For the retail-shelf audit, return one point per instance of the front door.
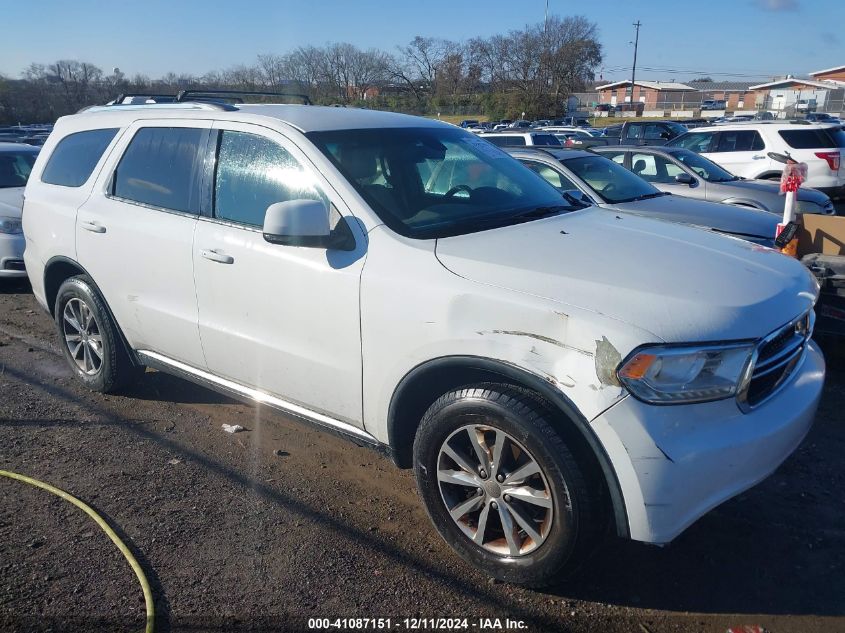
(281, 319)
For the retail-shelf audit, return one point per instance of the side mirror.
(305, 223)
(685, 179)
(577, 197)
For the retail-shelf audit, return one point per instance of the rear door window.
(75, 156)
(162, 167)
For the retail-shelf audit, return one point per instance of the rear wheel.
(89, 338)
(502, 487)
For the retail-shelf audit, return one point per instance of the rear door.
(741, 152)
(135, 233)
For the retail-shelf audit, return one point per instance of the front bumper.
(11, 255)
(676, 463)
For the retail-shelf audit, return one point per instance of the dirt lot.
(234, 537)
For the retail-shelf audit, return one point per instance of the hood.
(11, 201)
(681, 284)
(724, 218)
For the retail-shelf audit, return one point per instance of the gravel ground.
(263, 529)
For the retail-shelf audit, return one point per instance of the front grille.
(13, 264)
(776, 357)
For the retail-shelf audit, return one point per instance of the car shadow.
(15, 286)
(161, 387)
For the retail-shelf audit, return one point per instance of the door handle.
(757, 157)
(216, 256)
(94, 227)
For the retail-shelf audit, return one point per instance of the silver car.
(683, 172)
(593, 179)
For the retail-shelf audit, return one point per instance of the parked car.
(16, 161)
(545, 370)
(469, 123)
(645, 132)
(822, 117)
(743, 149)
(521, 124)
(713, 104)
(681, 171)
(594, 179)
(577, 138)
(805, 105)
(518, 138)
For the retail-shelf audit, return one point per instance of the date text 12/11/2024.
(417, 624)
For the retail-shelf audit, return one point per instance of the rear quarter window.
(546, 139)
(75, 156)
(813, 139)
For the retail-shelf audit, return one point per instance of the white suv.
(545, 370)
(743, 149)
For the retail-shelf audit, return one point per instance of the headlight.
(663, 374)
(10, 225)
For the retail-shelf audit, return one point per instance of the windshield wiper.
(646, 196)
(540, 212)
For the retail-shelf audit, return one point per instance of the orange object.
(637, 366)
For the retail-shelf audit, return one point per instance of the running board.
(229, 387)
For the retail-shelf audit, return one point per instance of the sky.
(730, 40)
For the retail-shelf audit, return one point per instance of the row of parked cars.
(35, 134)
(556, 347)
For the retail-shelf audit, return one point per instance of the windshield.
(611, 182)
(15, 168)
(707, 169)
(435, 182)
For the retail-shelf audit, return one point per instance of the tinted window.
(740, 141)
(75, 157)
(161, 167)
(15, 167)
(546, 139)
(506, 141)
(433, 182)
(252, 173)
(812, 139)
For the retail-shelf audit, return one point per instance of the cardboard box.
(821, 234)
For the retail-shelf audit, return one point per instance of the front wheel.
(502, 487)
(89, 338)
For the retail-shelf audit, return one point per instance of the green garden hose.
(145, 586)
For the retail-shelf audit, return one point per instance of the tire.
(89, 338)
(563, 534)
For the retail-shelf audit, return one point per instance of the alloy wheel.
(82, 336)
(494, 490)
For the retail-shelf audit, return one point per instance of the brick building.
(655, 95)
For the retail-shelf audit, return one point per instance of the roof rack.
(234, 95)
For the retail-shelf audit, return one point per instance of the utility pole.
(546, 19)
(637, 25)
